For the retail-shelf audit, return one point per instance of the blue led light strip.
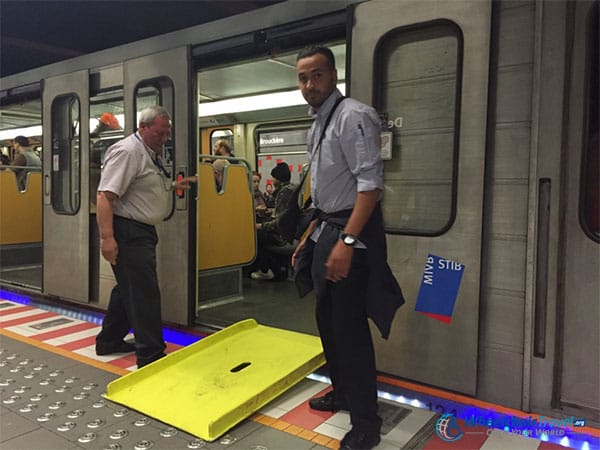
(171, 335)
(566, 437)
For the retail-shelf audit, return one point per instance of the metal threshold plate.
(208, 387)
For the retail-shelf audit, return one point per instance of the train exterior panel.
(492, 165)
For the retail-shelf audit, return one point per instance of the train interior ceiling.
(475, 171)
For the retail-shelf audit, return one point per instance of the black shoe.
(360, 440)
(327, 403)
(144, 362)
(103, 348)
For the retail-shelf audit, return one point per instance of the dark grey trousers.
(347, 343)
(135, 300)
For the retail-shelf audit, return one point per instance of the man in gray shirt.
(133, 195)
(25, 156)
(344, 257)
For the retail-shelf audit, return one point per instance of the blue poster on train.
(439, 288)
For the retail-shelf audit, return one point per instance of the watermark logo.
(447, 428)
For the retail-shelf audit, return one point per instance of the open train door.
(163, 79)
(65, 188)
(424, 66)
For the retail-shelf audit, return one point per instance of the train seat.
(20, 220)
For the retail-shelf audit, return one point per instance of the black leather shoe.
(327, 403)
(360, 440)
(145, 361)
(118, 347)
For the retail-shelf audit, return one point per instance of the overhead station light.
(255, 103)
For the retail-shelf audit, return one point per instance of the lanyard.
(157, 160)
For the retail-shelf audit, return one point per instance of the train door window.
(419, 77)
(65, 150)
(222, 135)
(158, 91)
(276, 144)
(106, 123)
(590, 187)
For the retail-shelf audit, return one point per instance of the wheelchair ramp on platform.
(208, 387)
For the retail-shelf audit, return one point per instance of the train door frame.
(285, 37)
(561, 372)
(66, 227)
(453, 349)
(175, 260)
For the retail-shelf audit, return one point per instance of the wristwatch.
(348, 239)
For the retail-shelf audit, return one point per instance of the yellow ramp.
(208, 387)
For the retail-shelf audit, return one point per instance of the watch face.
(349, 240)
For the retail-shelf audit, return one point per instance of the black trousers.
(347, 343)
(135, 300)
(265, 259)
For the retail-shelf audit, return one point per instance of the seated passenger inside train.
(25, 157)
(270, 264)
(219, 170)
(260, 205)
(222, 148)
(268, 195)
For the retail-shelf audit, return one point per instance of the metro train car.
(490, 119)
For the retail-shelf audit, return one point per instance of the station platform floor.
(51, 386)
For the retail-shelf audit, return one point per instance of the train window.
(20, 119)
(589, 212)
(106, 125)
(65, 150)
(145, 97)
(158, 91)
(275, 144)
(418, 81)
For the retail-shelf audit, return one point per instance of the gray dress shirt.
(349, 159)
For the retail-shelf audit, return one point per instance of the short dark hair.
(222, 143)
(22, 140)
(312, 50)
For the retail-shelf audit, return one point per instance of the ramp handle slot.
(240, 367)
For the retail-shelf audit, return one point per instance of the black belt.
(137, 222)
(343, 214)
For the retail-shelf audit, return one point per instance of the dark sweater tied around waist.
(384, 295)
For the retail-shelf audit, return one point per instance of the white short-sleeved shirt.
(142, 189)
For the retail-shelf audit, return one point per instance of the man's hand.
(110, 249)
(104, 216)
(184, 183)
(338, 262)
(299, 248)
